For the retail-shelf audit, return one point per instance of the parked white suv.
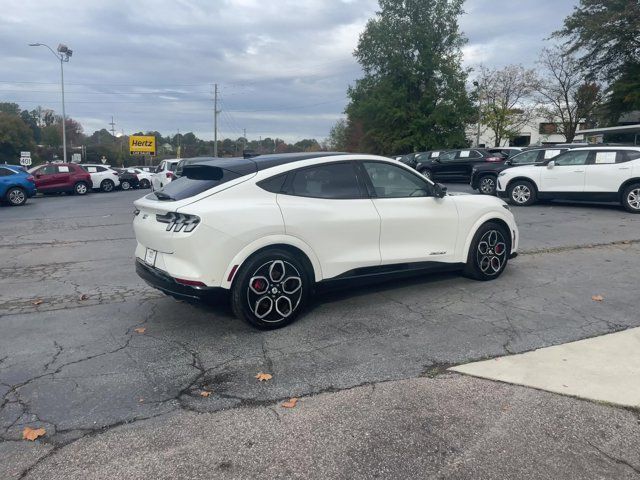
(103, 177)
(144, 176)
(605, 174)
(273, 228)
(164, 173)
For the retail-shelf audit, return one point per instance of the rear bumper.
(161, 280)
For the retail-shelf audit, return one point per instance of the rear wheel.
(125, 185)
(16, 196)
(488, 253)
(271, 289)
(80, 188)
(631, 198)
(487, 185)
(107, 186)
(145, 183)
(522, 192)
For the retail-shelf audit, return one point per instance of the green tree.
(10, 108)
(338, 136)
(412, 96)
(15, 136)
(605, 35)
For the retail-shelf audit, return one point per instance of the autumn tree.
(567, 97)
(412, 95)
(605, 36)
(506, 100)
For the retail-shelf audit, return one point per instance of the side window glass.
(447, 156)
(48, 170)
(63, 169)
(101, 169)
(336, 181)
(572, 158)
(551, 153)
(5, 172)
(603, 158)
(525, 158)
(465, 154)
(390, 181)
(91, 169)
(273, 184)
(627, 155)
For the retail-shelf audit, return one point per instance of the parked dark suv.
(484, 176)
(62, 177)
(453, 165)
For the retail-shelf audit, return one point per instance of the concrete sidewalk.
(604, 369)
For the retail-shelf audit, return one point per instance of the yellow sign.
(139, 145)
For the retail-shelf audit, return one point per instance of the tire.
(427, 173)
(488, 253)
(125, 185)
(16, 196)
(107, 186)
(487, 184)
(145, 183)
(80, 188)
(631, 198)
(264, 293)
(521, 193)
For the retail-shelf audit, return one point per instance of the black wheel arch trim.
(525, 179)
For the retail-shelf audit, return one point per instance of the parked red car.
(62, 177)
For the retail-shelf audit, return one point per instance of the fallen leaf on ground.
(140, 330)
(597, 298)
(263, 377)
(291, 403)
(205, 393)
(37, 302)
(84, 296)
(141, 400)
(32, 433)
(626, 242)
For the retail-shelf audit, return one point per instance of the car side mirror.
(551, 164)
(439, 190)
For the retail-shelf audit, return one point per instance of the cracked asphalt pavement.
(368, 363)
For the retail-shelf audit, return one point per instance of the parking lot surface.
(87, 347)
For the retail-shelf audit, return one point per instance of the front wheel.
(522, 193)
(487, 185)
(125, 185)
(488, 253)
(631, 198)
(80, 188)
(145, 183)
(107, 186)
(16, 196)
(271, 289)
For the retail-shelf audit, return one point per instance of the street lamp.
(477, 85)
(64, 53)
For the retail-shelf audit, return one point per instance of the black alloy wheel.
(270, 289)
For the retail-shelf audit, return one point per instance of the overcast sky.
(282, 66)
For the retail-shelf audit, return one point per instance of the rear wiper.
(163, 196)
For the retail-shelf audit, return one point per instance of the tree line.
(40, 132)
(415, 94)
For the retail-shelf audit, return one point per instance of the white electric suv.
(271, 229)
(163, 174)
(604, 173)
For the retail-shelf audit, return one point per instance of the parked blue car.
(16, 185)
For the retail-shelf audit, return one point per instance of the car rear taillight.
(31, 179)
(494, 159)
(170, 175)
(190, 283)
(115, 173)
(177, 221)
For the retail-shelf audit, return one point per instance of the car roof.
(245, 166)
(608, 147)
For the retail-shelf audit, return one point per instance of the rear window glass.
(184, 187)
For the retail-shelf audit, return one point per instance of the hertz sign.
(141, 145)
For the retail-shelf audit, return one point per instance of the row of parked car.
(18, 184)
(607, 173)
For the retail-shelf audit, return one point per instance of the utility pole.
(215, 120)
(244, 141)
(479, 87)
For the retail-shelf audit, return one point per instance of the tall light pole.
(477, 85)
(63, 54)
